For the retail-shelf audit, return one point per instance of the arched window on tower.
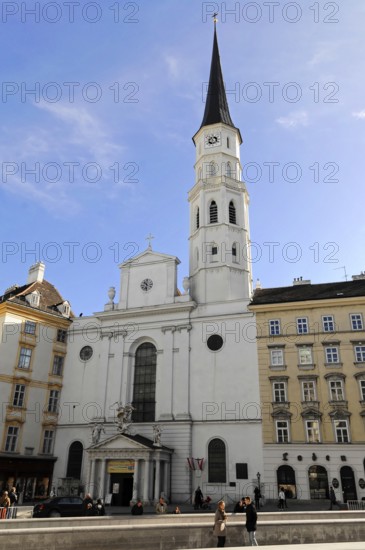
(213, 212)
(217, 461)
(229, 170)
(234, 253)
(144, 388)
(74, 461)
(232, 213)
(197, 218)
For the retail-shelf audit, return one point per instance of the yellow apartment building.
(34, 319)
(311, 349)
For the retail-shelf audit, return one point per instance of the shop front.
(32, 476)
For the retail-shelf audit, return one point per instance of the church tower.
(220, 266)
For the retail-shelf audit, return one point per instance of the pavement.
(293, 505)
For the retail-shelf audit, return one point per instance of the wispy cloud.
(85, 131)
(359, 114)
(294, 119)
(325, 53)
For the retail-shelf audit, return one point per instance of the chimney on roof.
(300, 281)
(358, 277)
(36, 273)
(258, 285)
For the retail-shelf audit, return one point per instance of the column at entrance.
(136, 491)
(166, 479)
(156, 492)
(146, 480)
(91, 482)
(102, 478)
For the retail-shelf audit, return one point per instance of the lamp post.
(258, 475)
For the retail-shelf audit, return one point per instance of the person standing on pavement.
(281, 498)
(13, 502)
(4, 505)
(257, 497)
(220, 529)
(198, 499)
(251, 521)
(87, 504)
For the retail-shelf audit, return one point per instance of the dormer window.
(33, 298)
(64, 309)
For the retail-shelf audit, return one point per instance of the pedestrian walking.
(220, 519)
(251, 521)
(333, 499)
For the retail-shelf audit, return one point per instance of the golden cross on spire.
(214, 16)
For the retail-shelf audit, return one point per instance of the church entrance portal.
(121, 487)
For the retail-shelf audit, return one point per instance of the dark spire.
(216, 106)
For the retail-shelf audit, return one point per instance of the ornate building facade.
(311, 347)
(34, 320)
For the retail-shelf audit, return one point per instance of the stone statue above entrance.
(124, 417)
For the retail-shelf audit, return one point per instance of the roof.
(216, 106)
(49, 298)
(306, 292)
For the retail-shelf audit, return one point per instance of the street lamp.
(258, 475)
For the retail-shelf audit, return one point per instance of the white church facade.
(161, 389)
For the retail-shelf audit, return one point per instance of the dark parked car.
(59, 507)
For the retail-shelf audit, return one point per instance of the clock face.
(146, 285)
(213, 139)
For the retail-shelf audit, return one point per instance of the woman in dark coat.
(220, 519)
(251, 520)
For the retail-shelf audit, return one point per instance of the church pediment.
(120, 441)
(149, 257)
(126, 442)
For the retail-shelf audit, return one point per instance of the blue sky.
(107, 133)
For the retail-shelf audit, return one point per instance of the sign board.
(121, 467)
(108, 498)
(115, 488)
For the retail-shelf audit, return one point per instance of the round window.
(215, 342)
(86, 353)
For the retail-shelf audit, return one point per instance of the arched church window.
(227, 142)
(217, 461)
(197, 220)
(234, 251)
(144, 388)
(232, 213)
(213, 212)
(229, 170)
(74, 461)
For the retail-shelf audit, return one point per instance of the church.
(161, 389)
